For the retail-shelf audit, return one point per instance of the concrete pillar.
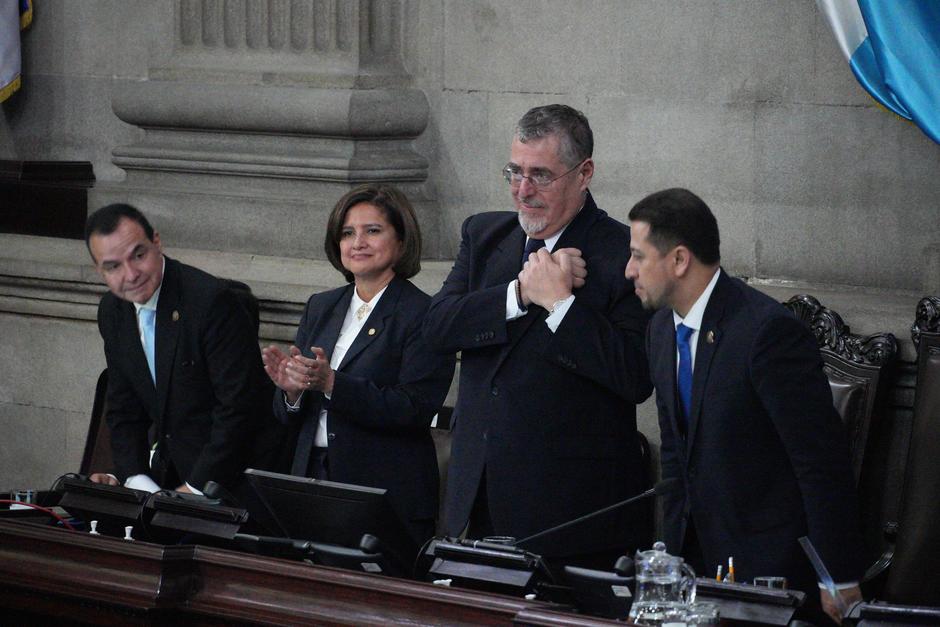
(258, 114)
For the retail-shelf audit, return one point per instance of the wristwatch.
(556, 305)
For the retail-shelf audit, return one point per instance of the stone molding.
(53, 278)
(340, 135)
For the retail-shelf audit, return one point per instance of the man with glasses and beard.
(552, 357)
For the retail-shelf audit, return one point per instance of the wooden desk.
(49, 573)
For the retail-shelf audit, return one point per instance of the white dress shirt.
(513, 310)
(693, 319)
(347, 335)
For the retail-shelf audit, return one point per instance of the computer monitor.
(335, 516)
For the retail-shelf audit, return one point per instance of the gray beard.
(531, 226)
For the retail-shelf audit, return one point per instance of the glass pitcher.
(664, 584)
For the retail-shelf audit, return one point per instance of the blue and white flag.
(15, 15)
(893, 47)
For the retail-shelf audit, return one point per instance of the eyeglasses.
(540, 180)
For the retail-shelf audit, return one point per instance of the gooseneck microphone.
(666, 486)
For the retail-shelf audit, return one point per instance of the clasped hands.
(294, 373)
(547, 278)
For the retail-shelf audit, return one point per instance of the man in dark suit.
(187, 391)
(745, 410)
(552, 360)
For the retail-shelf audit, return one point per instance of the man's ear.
(586, 173)
(681, 260)
(156, 241)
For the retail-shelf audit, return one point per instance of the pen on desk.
(718, 573)
(823, 574)
(731, 569)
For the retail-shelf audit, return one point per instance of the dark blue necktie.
(531, 246)
(683, 333)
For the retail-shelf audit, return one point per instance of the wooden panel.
(47, 573)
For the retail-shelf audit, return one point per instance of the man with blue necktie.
(745, 412)
(187, 393)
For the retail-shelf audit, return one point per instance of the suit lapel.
(170, 311)
(330, 324)
(668, 338)
(709, 338)
(374, 326)
(506, 261)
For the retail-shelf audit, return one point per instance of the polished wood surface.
(47, 572)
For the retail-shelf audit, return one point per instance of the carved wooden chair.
(915, 569)
(854, 365)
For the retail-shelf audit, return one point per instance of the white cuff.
(296, 406)
(513, 310)
(554, 319)
(142, 482)
(192, 489)
(842, 586)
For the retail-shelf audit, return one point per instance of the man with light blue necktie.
(187, 394)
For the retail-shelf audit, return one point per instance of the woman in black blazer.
(359, 382)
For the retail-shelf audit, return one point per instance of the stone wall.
(235, 124)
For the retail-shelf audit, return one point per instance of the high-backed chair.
(914, 577)
(97, 455)
(854, 365)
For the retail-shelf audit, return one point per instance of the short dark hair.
(105, 221)
(678, 217)
(399, 213)
(570, 125)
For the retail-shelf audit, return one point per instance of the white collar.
(152, 301)
(693, 319)
(357, 302)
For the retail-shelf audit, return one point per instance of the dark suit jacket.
(385, 393)
(211, 393)
(551, 417)
(765, 460)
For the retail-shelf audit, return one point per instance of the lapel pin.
(710, 337)
(176, 316)
(371, 331)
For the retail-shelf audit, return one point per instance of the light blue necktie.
(683, 333)
(147, 319)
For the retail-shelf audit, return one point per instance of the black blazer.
(551, 417)
(385, 393)
(765, 460)
(211, 394)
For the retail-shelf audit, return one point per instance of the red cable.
(42, 509)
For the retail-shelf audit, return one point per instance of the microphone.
(666, 486)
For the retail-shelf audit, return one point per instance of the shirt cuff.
(193, 490)
(141, 482)
(554, 319)
(296, 406)
(513, 310)
(842, 586)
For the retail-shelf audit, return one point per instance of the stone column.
(258, 114)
